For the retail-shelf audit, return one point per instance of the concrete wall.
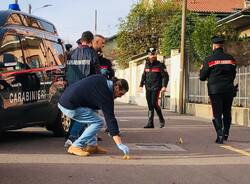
(174, 80)
(133, 76)
(240, 116)
(124, 74)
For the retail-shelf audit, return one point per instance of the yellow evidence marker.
(180, 141)
(126, 157)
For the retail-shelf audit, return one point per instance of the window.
(11, 57)
(17, 19)
(47, 26)
(34, 52)
(32, 22)
(55, 52)
(40, 24)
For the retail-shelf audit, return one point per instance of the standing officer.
(155, 78)
(220, 70)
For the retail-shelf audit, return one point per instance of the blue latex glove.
(124, 148)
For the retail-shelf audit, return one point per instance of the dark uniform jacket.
(82, 62)
(220, 70)
(155, 75)
(92, 92)
(106, 67)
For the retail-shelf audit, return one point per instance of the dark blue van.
(32, 66)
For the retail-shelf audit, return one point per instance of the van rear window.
(47, 26)
(19, 19)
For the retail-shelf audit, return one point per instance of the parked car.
(32, 63)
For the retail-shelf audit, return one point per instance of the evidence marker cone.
(180, 141)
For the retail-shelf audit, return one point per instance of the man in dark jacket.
(104, 63)
(219, 69)
(80, 102)
(83, 60)
(155, 78)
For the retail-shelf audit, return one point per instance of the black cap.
(217, 40)
(78, 41)
(151, 50)
(68, 46)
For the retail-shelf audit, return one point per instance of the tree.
(199, 31)
(205, 29)
(172, 32)
(143, 28)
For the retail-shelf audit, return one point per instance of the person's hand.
(124, 148)
(201, 67)
(163, 89)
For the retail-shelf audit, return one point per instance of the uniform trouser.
(152, 97)
(221, 105)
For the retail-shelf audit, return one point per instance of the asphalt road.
(158, 156)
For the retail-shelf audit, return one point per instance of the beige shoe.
(78, 151)
(95, 149)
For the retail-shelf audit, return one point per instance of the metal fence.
(197, 90)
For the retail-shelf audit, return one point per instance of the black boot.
(150, 123)
(161, 119)
(219, 140)
(226, 130)
(225, 134)
(225, 137)
(218, 127)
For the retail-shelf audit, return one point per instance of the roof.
(215, 6)
(237, 19)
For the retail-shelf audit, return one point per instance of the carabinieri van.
(31, 72)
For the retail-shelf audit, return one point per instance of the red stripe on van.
(31, 70)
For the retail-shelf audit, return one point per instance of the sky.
(72, 17)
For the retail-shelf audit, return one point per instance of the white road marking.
(117, 160)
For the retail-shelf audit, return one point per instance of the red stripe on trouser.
(157, 98)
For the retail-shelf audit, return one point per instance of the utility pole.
(30, 8)
(95, 22)
(182, 62)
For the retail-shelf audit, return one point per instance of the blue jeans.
(86, 116)
(76, 129)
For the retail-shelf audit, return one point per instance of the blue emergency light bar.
(14, 7)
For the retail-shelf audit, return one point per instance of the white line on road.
(117, 160)
(242, 152)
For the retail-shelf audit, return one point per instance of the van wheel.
(61, 126)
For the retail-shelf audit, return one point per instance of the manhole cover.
(155, 147)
